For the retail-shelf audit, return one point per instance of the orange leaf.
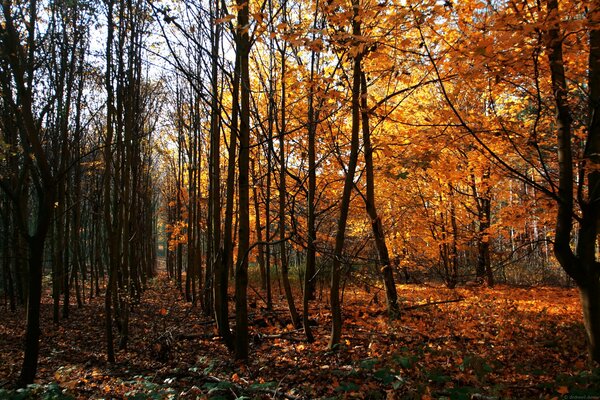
(563, 390)
(226, 18)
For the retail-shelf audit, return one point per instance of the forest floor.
(491, 343)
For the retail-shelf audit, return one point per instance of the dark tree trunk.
(283, 191)
(241, 271)
(228, 233)
(336, 307)
(378, 233)
(34, 296)
(484, 263)
(311, 252)
(581, 264)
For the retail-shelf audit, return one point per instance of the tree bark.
(581, 265)
(336, 307)
(378, 233)
(34, 296)
(241, 271)
(283, 190)
(311, 251)
(590, 304)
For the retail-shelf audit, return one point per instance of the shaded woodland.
(299, 199)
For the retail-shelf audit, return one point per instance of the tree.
(376, 224)
(571, 184)
(241, 271)
(282, 186)
(340, 237)
(581, 263)
(21, 54)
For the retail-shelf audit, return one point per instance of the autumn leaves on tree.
(305, 145)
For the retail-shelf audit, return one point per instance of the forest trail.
(502, 342)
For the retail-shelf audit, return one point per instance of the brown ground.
(501, 343)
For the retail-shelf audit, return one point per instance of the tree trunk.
(108, 217)
(34, 296)
(582, 265)
(7, 254)
(259, 237)
(241, 271)
(108, 300)
(484, 264)
(336, 307)
(589, 238)
(384, 257)
(590, 304)
(283, 191)
(220, 253)
(311, 252)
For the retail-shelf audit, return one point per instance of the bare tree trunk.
(18, 64)
(384, 257)
(34, 296)
(108, 160)
(221, 257)
(581, 265)
(311, 253)
(336, 307)
(241, 271)
(283, 189)
(258, 228)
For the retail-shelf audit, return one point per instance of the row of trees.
(359, 134)
(78, 199)
(450, 108)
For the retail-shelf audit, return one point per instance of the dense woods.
(295, 158)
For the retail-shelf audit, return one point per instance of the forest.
(300, 199)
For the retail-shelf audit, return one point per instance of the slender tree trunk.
(269, 283)
(454, 244)
(66, 263)
(241, 271)
(311, 253)
(108, 310)
(336, 307)
(57, 237)
(7, 255)
(32, 334)
(108, 217)
(378, 233)
(222, 254)
(269, 155)
(258, 229)
(283, 191)
(484, 264)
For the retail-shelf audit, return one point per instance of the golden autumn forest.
(300, 199)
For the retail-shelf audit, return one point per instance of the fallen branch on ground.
(432, 303)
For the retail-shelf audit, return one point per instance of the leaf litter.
(493, 343)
